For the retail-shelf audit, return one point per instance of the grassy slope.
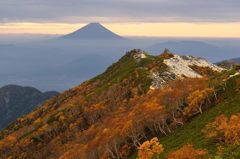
(191, 133)
(125, 68)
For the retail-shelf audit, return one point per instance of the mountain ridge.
(93, 118)
(229, 63)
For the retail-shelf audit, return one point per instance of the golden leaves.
(197, 100)
(11, 139)
(149, 149)
(152, 149)
(225, 131)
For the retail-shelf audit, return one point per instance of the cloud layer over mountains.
(120, 10)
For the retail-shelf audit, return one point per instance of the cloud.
(81, 11)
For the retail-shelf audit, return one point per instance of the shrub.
(188, 152)
(150, 149)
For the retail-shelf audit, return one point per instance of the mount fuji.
(93, 31)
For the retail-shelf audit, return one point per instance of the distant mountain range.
(93, 31)
(62, 62)
(229, 63)
(196, 48)
(237, 60)
(16, 101)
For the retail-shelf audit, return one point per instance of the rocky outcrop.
(180, 67)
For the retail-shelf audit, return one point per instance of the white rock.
(143, 56)
(180, 65)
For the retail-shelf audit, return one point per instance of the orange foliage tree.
(197, 100)
(150, 149)
(224, 129)
(188, 152)
(1, 144)
(11, 139)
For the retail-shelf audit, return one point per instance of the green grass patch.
(191, 133)
(123, 69)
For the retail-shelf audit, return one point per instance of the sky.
(190, 18)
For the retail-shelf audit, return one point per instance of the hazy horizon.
(185, 29)
(33, 52)
(128, 18)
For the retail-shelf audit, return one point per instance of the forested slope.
(137, 98)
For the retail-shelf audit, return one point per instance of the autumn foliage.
(150, 149)
(108, 116)
(100, 127)
(188, 152)
(197, 100)
(226, 131)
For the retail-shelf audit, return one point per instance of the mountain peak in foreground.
(138, 97)
(93, 31)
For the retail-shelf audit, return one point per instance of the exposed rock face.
(139, 55)
(176, 67)
(16, 101)
(159, 80)
(180, 67)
